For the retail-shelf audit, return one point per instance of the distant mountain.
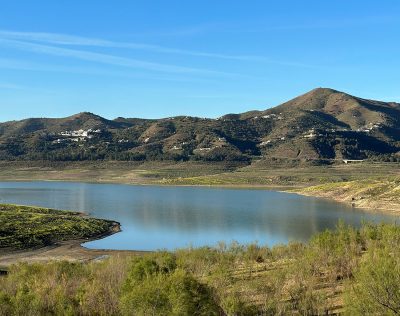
(321, 124)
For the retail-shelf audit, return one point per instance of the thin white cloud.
(53, 38)
(71, 40)
(106, 58)
(16, 64)
(64, 39)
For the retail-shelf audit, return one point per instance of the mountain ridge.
(321, 124)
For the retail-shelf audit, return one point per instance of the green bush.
(376, 288)
(335, 251)
(155, 286)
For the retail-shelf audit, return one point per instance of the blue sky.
(205, 58)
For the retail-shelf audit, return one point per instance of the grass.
(24, 227)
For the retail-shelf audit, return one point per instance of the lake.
(160, 217)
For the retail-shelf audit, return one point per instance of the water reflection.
(169, 217)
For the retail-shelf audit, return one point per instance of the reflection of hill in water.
(232, 212)
(175, 216)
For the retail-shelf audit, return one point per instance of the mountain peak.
(316, 99)
(321, 93)
(86, 115)
(321, 90)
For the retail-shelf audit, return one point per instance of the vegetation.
(27, 227)
(275, 172)
(355, 272)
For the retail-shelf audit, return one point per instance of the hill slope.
(321, 124)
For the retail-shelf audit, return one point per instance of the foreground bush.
(63, 288)
(156, 287)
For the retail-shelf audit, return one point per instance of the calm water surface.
(154, 217)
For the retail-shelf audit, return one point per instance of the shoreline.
(370, 209)
(69, 250)
(274, 187)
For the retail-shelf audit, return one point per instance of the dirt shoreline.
(274, 187)
(70, 250)
(376, 206)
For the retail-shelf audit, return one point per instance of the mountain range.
(323, 124)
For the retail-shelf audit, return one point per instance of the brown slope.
(342, 107)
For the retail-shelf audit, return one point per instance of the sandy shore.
(64, 251)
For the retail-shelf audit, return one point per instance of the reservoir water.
(158, 217)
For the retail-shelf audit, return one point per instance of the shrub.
(233, 305)
(155, 286)
(334, 252)
(376, 290)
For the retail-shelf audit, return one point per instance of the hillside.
(369, 193)
(321, 124)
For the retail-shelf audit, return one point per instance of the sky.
(154, 59)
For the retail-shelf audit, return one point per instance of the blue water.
(155, 217)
